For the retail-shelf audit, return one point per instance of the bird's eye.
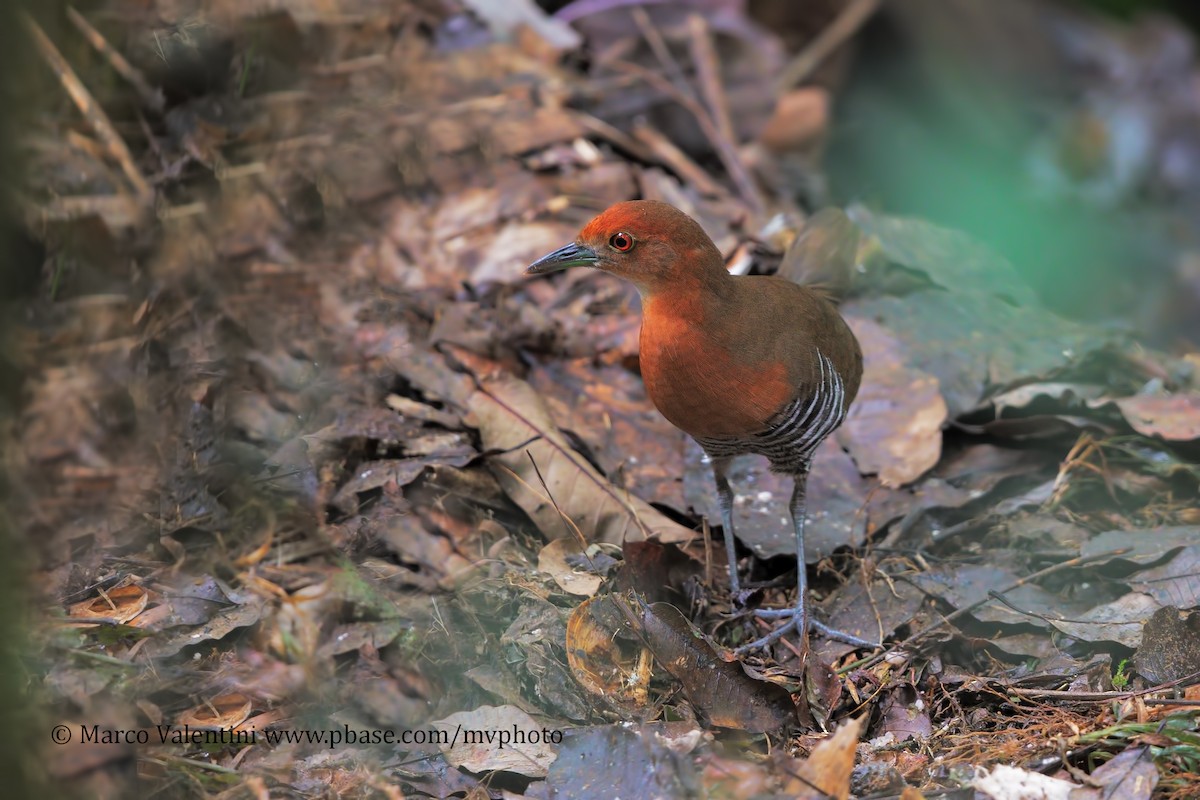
(621, 242)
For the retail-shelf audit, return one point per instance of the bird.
(742, 364)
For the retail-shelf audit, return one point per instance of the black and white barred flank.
(790, 440)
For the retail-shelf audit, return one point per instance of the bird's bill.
(572, 255)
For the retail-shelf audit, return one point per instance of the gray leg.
(725, 501)
(797, 618)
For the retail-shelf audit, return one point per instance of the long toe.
(841, 636)
(790, 616)
(773, 636)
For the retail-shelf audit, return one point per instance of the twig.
(91, 111)
(871, 661)
(572, 528)
(661, 52)
(151, 98)
(725, 151)
(708, 75)
(615, 136)
(1104, 697)
(842, 28)
(667, 153)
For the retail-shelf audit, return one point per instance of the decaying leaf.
(601, 656)
(827, 770)
(1119, 621)
(723, 693)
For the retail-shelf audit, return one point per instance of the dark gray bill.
(572, 255)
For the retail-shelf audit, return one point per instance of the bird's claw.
(793, 616)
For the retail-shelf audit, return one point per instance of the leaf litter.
(322, 459)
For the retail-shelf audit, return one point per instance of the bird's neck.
(693, 298)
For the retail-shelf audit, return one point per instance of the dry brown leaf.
(552, 560)
(598, 659)
(121, 604)
(514, 422)
(512, 741)
(226, 711)
(1174, 417)
(829, 766)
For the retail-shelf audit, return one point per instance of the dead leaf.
(120, 605)
(1130, 775)
(571, 578)
(603, 661)
(721, 692)
(894, 428)
(1119, 621)
(1170, 647)
(1174, 417)
(223, 712)
(497, 738)
(515, 424)
(625, 760)
(829, 767)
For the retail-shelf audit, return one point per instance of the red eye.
(621, 242)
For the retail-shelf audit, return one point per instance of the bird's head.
(651, 244)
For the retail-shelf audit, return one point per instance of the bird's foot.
(794, 618)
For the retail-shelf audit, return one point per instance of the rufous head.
(647, 242)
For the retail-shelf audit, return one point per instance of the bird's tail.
(825, 254)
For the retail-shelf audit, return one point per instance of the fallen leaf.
(1119, 621)
(225, 711)
(894, 427)
(120, 604)
(721, 692)
(552, 560)
(1170, 647)
(827, 771)
(497, 739)
(1174, 417)
(516, 425)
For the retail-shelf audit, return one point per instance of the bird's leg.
(797, 617)
(725, 501)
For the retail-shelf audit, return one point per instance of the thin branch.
(151, 98)
(842, 28)
(91, 111)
